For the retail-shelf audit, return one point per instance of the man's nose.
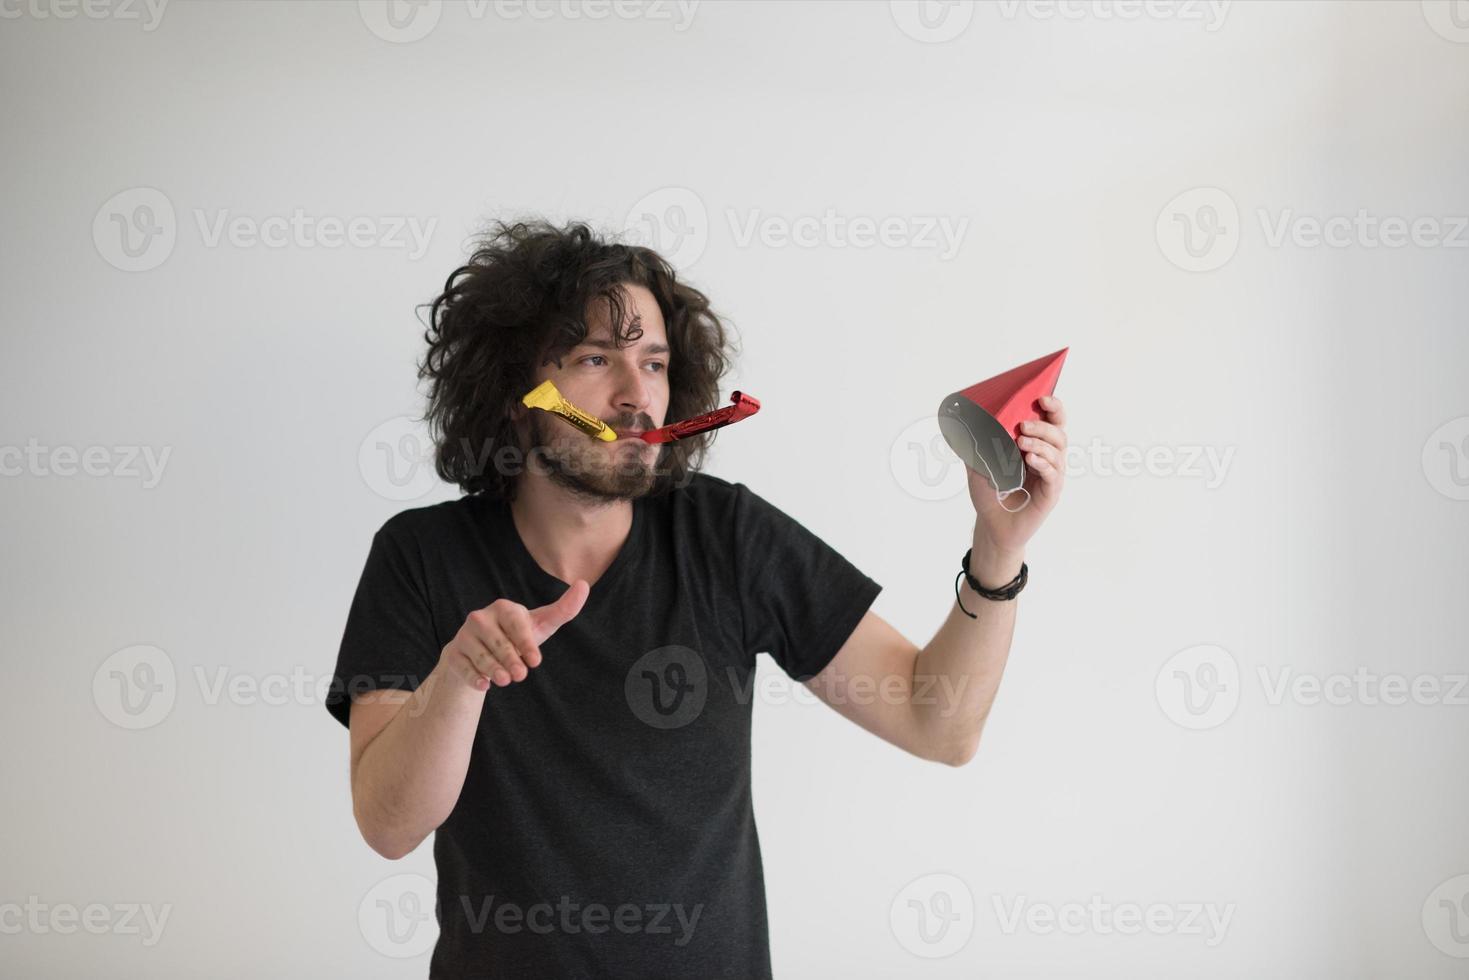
(633, 393)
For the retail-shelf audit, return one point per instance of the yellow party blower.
(547, 397)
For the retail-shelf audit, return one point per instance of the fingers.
(490, 648)
(508, 656)
(1044, 459)
(1047, 431)
(517, 626)
(1034, 449)
(502, 641)
(475, 663)
(546, 620)
(1047, 470)
(1054, 411)
(1044, 442)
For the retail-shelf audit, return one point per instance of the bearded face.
(593, 469)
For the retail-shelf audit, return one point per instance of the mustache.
(543, 429)
(631, 422)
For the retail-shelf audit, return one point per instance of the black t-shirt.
(606, 828)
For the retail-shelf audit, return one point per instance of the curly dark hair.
(523, 298)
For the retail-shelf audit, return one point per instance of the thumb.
(548, 619)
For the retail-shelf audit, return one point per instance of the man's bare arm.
(933, 701)
(410, 752)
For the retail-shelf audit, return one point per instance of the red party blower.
(742, 407)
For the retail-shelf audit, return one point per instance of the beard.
(592, 469)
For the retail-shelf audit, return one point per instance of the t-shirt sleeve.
(389, 639)
(800, 598)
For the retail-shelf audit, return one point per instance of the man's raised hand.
(501, 643)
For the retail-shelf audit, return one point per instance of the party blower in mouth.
(547, 397)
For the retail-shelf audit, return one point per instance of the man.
(553, 672)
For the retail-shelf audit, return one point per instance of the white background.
(1059, 138)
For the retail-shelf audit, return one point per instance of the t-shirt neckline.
(607, 578)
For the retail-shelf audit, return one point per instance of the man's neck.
(569, 536)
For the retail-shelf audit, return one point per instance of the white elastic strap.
(1000, 495)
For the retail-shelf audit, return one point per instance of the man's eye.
(659, 365)
(592, 356)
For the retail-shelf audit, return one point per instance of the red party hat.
(982, 422)
(1011, 397)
